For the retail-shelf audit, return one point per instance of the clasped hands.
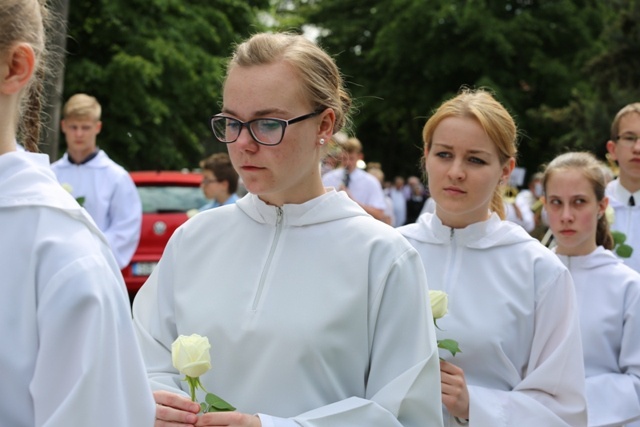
(174, 410)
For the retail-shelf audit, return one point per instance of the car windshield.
(158, 199)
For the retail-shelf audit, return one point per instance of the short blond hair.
(627, 109)
(352, 145)
(81, 106)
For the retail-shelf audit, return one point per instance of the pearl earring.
(321, 141)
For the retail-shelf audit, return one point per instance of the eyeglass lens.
(628, 138)
(265, 131)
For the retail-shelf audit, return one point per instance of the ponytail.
(497, 203)
(603, 234)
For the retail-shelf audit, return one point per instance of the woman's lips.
(454, 190)
(250, 168)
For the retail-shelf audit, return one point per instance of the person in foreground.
(608, 291)
(70, 355)
(317, 313)
(512, 305)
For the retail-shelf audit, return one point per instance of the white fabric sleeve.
(613, 398)
(125, 213)
(155, 326)
(552, 392)
(403, 387)
(269, 421)
(89, 369)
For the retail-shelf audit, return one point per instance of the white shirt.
(69, 354)
(527, 219)
(110, 197)
(512, 310)
(608, 295)
(525, 197)
(627, 219)
(399, 206)
(363, 187)
(316, 313)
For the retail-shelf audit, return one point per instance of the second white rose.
(439, 302)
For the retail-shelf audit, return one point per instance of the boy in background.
(624, 192)
(103, 187)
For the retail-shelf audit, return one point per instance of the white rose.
(190, 355)
(67, 187)
(439, 302)
(610, 214)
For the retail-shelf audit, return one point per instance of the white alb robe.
(69, 353)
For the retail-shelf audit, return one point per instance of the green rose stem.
(447, 344)
(212, 403)
(194, 383)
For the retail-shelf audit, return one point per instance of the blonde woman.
(512, 303)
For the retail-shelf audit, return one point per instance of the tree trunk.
(54, 80)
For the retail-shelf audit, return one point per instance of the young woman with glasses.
(317, 313)
(512, 306)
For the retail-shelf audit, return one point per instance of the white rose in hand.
(439, 302)
(190, 355)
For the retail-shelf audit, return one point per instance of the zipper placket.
(451, 263)
(267, 266)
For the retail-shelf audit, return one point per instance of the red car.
(166, 198)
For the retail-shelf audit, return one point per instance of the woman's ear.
(327, 121)
(507, 168)
(602, 205)
(17, 68)
(611, 149)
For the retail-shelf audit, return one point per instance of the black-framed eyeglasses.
(628, 139)
(265, 131)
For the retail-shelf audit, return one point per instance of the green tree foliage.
(404, 57)
(156, 67)
(612, 81)
(615, 71)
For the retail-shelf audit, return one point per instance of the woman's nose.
(457, 172)
(567, 214)
(245, 139)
